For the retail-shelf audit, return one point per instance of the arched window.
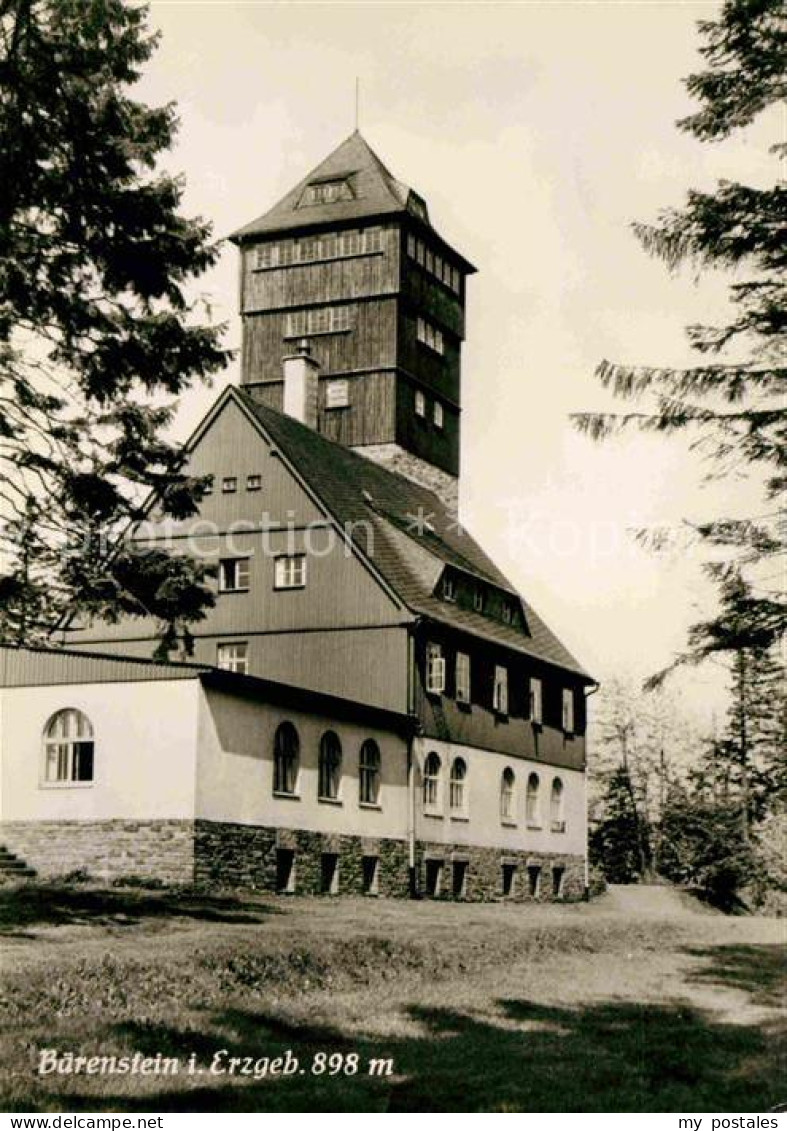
(458, 798)
(330, 766)
(68, 747)
(285, 759)
(432, 781)
(507, 794)
(532, 813)
(556, 820)
(369, 773)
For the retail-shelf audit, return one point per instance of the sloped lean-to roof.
(375, 192)
(405, 531)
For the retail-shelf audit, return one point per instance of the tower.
(348, 272)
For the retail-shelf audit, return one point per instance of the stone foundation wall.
(445, 486)
(249, 856)
(162, 850)
(219, 854)
(533, 874)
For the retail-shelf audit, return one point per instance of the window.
(290, 572)
(462, 677)
(429, 335)
(229, 484)
(369, 773)
(267, 256)
(318, 320)
(534, 881)
(434, 877)
(500, 694)
(350, 243)
(411, 245)
(431, 784)
(449, 587)
(459, 879)
(370, 874)
(557, 882)
(536, 700)
(532, 811)
(507, 809)
(479, 599)
(233, 575)
(329, 873)
(330, 767)
(458, 793)
(507, 612)
(438, 415)
(420, 403)
(326, 192)
(568, 710)
(285, 870)
(286, 755)
(435, 669)
(68, 748)
(253, 482)
(337, 394)
(233, 657)
(208, 488)
(509, 880)
(557, 823)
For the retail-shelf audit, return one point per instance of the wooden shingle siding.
(369, 344)
(420, 435)
(437, 302)
(323, 281)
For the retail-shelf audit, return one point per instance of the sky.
(537, 133)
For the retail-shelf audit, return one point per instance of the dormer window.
(478, 599)
(508, 612)
(326, 192)
(449, 588)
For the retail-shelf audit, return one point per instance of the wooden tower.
(348, 272)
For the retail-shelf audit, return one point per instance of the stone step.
(12, 866)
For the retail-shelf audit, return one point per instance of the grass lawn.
(607, 1007)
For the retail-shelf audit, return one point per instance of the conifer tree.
(734, 402)
(98, 332)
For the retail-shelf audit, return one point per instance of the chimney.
(301, 380)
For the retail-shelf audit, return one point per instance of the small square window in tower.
(370, 872)
(285, 870)
(509, 880)
(434, 877)
(337, 394)
(329, 873)
(459, 879)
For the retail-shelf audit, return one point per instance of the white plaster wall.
(483, 825)
(235, 775)
(145, 751)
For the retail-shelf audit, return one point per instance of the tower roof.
(365, 189)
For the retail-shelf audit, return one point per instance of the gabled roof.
(405, 531)
(376, 192)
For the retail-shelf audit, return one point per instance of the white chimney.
(301, 381)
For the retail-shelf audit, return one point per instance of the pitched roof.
(376, 192)
(406, 531)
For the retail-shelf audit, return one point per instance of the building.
(343, 570)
